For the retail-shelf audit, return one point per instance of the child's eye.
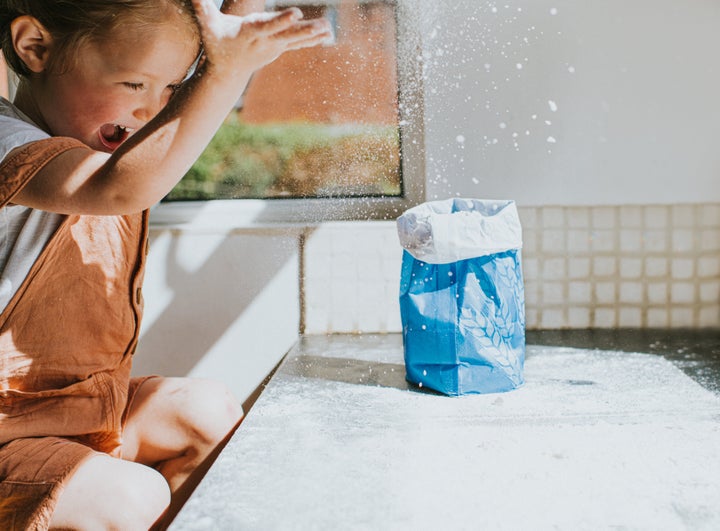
(134, 86)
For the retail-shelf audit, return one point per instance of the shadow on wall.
(219, 305)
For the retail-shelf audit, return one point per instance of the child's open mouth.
(112, 135)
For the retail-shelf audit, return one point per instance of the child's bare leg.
(177, 426)
(109, 493)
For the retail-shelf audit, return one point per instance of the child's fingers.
(313, 31)
(204, 8)
(208, 15)
(257, 38)
(309, 42)
(242, 7)
(270, 23)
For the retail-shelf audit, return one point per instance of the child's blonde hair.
(74, 22)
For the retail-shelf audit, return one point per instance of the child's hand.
(234, 45)
(242, 7)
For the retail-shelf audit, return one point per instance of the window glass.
(316, 123)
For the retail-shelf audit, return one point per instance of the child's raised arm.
(148, 164)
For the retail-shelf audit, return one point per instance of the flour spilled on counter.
(595, 440)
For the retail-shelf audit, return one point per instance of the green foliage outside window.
(294, 160)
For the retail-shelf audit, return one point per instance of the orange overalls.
(66, 344)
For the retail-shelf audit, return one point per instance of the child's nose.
(151, 106)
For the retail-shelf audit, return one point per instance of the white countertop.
(594, 440)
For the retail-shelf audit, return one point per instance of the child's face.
(117, 85)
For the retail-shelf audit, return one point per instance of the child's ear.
(32, 42)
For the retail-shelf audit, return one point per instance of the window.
(331, 132)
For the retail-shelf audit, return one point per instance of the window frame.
(247, 212)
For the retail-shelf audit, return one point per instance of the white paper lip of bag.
(442, 232)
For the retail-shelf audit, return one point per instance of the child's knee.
(211, 410)
(149, 491)
(126, 496)
(138, 500)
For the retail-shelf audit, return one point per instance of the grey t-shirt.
(24, 231)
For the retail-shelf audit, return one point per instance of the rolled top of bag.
(440, 232)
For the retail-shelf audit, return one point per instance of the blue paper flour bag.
(462, 301)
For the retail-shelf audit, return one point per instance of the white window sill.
(272, 215)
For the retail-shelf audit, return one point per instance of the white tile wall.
(352, 278)
(630, 266)
(595, 266)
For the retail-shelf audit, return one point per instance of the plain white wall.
(635, 88)
(219, 305)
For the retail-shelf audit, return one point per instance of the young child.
(107, 117)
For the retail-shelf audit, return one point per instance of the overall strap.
(22, 164)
